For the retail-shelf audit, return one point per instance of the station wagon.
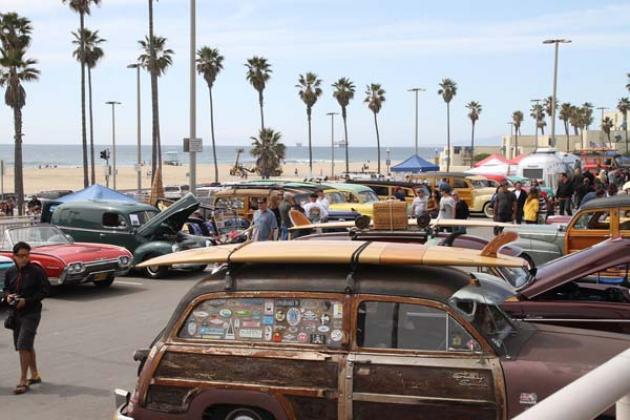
(352, 330)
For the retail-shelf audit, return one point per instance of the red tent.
(493, 159)
(516, 160)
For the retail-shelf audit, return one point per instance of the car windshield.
(335, 197)
(139, 218)
(367, 196)
(37, 236)
(488, 319)
(483, 183)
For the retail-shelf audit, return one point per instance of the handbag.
(9, 322)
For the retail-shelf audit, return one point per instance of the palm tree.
(587, 110)
(375, 96)
(566, 110)
(547, 105)
(517, 120)
(156, 58)
(344, 92)
(607, 125)
(624, 106)
(474, 109)
(82, 7)
(576, 119)
(93, 53)
(269, 152)
(537, 112)
(258, 74)
(310, 91)
(209, 65)
(448, 89)
(628, 84)
(15, 69)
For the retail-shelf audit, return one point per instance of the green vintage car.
(141, 228)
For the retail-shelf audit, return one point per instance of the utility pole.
(556, 42)
(193, 101)
(332, 142)
(113, 104)
(416, 90)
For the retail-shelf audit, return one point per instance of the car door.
(589, 228)
(463, 188)
(115, 230)
(413, 359)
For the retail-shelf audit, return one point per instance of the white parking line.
(129, 283)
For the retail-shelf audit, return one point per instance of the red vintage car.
(67, 262)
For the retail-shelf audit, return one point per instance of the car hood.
(81, 252)
(174, 216)
(552, 357)
(577, 265)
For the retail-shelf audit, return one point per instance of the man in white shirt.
(314, 210)
(447, 204)
(321, 199)
(419, 205)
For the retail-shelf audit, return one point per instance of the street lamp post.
(193, 100)
(536, 102)
(556, 42)
(416, 90)
(139, 128)
(332, 142)
(511, 124)
(113, 104)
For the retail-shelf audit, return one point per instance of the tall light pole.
(416, 90)
(113, 104)
(139, 128)
(536, 102)
(507, 152)
(556, 42)
(332, 142)
(602, 108)
(193, 101)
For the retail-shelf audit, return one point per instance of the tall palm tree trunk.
(262, 115)
(515, 143)
(345, 140)
(92, 170)
(472, 145)
(310, 147)
(154, 102)
(378, 145)
(158, 136)
(214, 146)
(83, 119)
(18, 181)
(566, 131)
(448, 137)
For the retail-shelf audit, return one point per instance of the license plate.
(100, 276)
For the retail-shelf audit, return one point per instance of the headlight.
(123, 261)
(76, 268)
(175, 247)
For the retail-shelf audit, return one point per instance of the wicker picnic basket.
(390, 215)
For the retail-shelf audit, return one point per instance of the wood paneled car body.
(594, 222)
(352, 330)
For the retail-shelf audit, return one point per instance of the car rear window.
(275, 320)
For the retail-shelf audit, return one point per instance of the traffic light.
(105, 154)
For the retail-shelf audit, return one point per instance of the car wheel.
(155, 271)
(488, 210)
(104, 284)
(245, 414)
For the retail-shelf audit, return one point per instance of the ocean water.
(71, 155)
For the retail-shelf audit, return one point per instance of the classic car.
(5, 264)
(587, 289)
(594, 222)
(67, 262)
(386, 189)
(142, 229)
(365, 330)
(476, 194)
(350, 197)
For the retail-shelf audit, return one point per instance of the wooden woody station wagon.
(352, 330)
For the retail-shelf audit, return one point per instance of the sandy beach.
(36, 179)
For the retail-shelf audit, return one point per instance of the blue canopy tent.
(93, 192)
(415, 164)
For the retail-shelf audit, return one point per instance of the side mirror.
(69, 238)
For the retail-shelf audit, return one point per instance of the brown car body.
(194, 371)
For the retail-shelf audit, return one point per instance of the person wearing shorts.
(25, 286)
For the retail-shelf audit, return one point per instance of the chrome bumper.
(121, 399)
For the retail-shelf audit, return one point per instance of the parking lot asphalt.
(85, 344)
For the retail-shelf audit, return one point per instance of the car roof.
(341, 186)
(387, 183)
(441, 174)
(108, 205)
(621, 200)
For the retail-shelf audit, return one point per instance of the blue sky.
(492, 49)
